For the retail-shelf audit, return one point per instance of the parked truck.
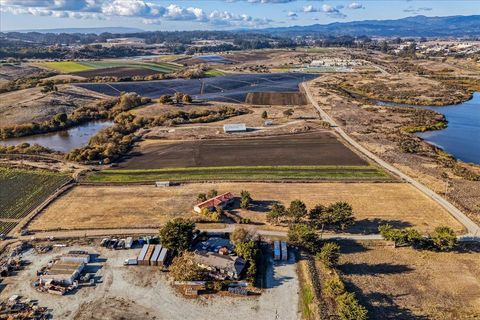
(130, 262)
(128, 243)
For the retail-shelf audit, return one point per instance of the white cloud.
(333, 11)
(149, 12)
(264, 1)
(292, 15)
(355, 6)
(411, 9)
(329, 10)
(226, 18)
(309, 9)
(152, 21)
(175, 12)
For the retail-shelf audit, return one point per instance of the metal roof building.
(64, 272)
(234, 127)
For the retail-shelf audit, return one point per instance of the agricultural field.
(93, 207)
(155, 66)
(116, 72)
(245, 173)
(65, 66)
(81, 67)
(317, 148)
(402, 283)
(22, 190)
(229, 88)
(6, 226)
(276, 98)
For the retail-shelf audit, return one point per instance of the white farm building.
(234, 127)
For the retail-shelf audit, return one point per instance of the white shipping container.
(162, 257)
(143, 252)
(155, 255)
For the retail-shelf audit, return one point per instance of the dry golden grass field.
(31, 105)
(86, 207)
(402, 283)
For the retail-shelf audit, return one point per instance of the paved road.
(69, 234)
(472, 228)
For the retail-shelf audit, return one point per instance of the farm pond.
(64, 140)
(461, 138)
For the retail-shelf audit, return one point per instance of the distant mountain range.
(99, 30)
(417, 26)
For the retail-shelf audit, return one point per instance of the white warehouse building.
(234, 127)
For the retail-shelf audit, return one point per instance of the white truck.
(130, 262)
(128, 243)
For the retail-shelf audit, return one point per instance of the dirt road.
(472, 227)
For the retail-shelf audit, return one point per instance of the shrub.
(338, 215)
(184, 268)
(406, 236)
(334, 286)
(245, 199)
(288, 113)
(240, 235)
(329, 254)
(341, 215)
(186, 98)
(276, 213)
(303, 235)
(349, 308)
(177, 234)
(212, 193)
(249, 251)
(297, 210)
(444, 238)
(164, 99)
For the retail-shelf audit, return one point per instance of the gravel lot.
(145, 293)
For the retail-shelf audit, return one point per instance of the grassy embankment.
(244, 173)
(23, 190)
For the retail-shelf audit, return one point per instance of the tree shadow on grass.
(381, 305)
(351, 246)
(468, 247)
(374, 269)
(260, 206)
(369, 226)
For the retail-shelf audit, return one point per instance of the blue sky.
(213, 14)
